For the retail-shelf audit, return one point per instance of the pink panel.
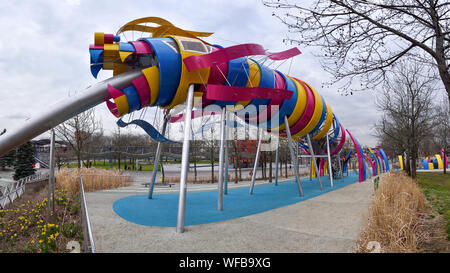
(341, 143)
(372, 164)
(234, 52)
(283, 55)
(96, 47)
(217, 75)
(114, 92)
(143, 89)
(236, 93)
(112, 108)
(360, 159)
(142, 47)
(109, 38)
(322, 163)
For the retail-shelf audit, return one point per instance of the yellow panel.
(124, 55)
(327, 125)
(400, 159)
(318, 109)
(119, 69)
(313, 170)
(199, 76)
(99, 38)
(439, 160)
(134, 25)
(111, 50)
(430, 166)
(122, 105)
(152, 76)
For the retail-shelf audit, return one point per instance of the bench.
(158, 184)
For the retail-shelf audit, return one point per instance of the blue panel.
(169, 65)
(148, 128)
(347, 158)
(127, 47)
(237, 76)
(386, 161)
(95, 69)
(425, 164)
(96, 55)
(132, 98)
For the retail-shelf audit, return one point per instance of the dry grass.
(93, 179)
(396, 216)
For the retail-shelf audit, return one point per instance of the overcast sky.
(44, 52)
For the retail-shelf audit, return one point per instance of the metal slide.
(64, 110)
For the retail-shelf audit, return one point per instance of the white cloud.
(44, 51)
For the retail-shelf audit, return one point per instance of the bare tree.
(363, 39)
(442, 128)
(408, 110)
(78, 132)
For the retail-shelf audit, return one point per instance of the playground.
(319, 205)
(257, 224)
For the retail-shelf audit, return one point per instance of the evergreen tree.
(23, 165)
(8, 159)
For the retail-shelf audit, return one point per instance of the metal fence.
(14, 190)
(88, 245)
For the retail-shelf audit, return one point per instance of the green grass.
(100, 165)
(148, 167)
(436, 187)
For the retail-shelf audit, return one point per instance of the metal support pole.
(221, 160)
(276, 163)
(225, 190)
(185, 161)
(157, 161)
(330, 169)
(340, 166)
(258, 151)
(51, 177)
(293, 157)
(314, 161)
(310, 169)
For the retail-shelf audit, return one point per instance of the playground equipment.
(172, 67)
(429, 163)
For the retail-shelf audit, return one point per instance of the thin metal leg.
(276, 163)
(258, 151)
(314, 159)
(51, 177)
(221, 160)
(225, 178)
(310, 168)
(185, 161)
(340, 166)
(158, 157)
(329, 162)
(293, 157)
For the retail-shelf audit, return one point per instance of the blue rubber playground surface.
(201, 207)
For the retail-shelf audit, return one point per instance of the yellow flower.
(40, 241)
